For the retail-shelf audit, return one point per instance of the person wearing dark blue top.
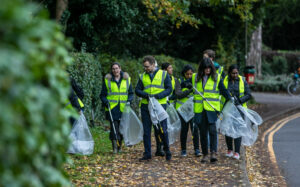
(120, 92)
(149, 77)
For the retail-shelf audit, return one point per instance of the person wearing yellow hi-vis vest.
(186, 86)
(210, 85)
(153, 83)
(239, 89)
(115, 94)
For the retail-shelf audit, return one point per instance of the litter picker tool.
(156, 126)
(218, 113)
(113, 125)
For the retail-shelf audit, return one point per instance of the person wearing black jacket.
(115, 94)
(187, 87)
(239, 89)
(153, 83)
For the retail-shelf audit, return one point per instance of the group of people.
(209, 86)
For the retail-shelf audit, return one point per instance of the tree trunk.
(61, 6)
(254, 55)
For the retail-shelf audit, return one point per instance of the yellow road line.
(270, 137)
(274, 126)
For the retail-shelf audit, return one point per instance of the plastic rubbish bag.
(232, 123)
(81, 138)
(186, 110)
(131, 127)
(174, 124)
(157, 112)
(253, 116)
(252, 134)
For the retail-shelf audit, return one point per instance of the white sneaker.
(236, 156)
(229, 154)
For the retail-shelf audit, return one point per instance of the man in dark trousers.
(153, 83)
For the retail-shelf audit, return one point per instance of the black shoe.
(168, 155)
(159, 153)
(213, 157)
(144, 158)
(204, 159)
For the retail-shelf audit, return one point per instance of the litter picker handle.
(113, 124)
(218, 113)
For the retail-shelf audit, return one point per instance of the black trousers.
(184, 133)
(237, 143)
(115, 136)
(207, 128)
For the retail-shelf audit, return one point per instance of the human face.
(234, 74)
(149, 68)
(207, 71)
(116, 70)
(170, 70)
(188, 74)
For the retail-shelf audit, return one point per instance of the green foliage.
(34, 88)
(86, 70)
(272, 83)
(281, 24)
(101, 156)
(277, 66)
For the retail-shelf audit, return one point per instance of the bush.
(34, 88)
(86, 70)
(272, 83)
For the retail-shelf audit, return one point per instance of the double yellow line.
(270, 133)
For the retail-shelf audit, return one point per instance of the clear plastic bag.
(131, 127)
(186, 110)
(81, 138)
(232, 123)
(253, 116)
(252, 134)
(174, 124)
(157, 112)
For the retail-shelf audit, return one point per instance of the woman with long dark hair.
(210, 85)
(239, 89)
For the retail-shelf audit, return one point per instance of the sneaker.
(204, 159)
(159, 153)
(168, 155)
(197, 153)
(213, 157)
(183, 153)
(236, 156)
(229, 154)
(144, 158)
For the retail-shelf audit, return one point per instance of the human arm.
(182, 94)
(139, 90)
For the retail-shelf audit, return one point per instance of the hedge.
(34, 89)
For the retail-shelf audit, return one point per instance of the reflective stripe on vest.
(181, 101)
(211, 93)
(117, 95)
(154, 87)
(241, 89)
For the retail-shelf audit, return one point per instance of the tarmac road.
(275, 103)
(286, 145)
(286, 140)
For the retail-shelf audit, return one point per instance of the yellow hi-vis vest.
(80, 103)
(181, 101)
(116, 94)
(154, 87)
(173, 87)
(211, 93)
(173, 83)
(241, 90)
